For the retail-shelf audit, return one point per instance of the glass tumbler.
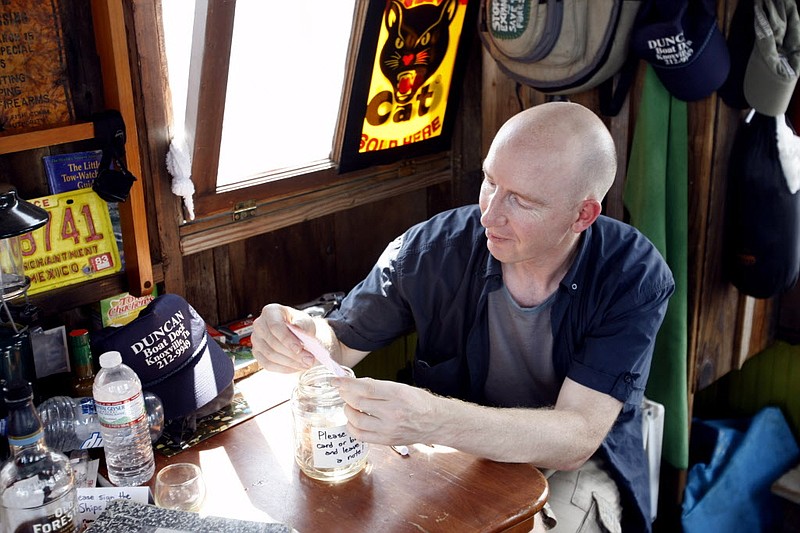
(323, 448)
(180, 486)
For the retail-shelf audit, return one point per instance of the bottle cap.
(110, 359)
(17, 391)
(80, 336)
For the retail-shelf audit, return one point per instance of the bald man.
(536, 318)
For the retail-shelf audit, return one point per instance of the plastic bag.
(731, 490)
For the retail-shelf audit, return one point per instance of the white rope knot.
(179, 165)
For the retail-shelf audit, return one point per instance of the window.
(262, 85)
(284, 84)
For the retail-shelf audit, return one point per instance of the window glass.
(284, 85)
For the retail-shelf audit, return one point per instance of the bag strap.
(612, 95)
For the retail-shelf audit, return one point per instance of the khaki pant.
(581, 501)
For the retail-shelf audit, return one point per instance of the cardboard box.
(123, 308)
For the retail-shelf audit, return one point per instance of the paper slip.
(318, 350)
(92, 501)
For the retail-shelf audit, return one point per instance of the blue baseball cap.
(681, 41)
(170, 350)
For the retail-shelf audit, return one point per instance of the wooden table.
(251, 474)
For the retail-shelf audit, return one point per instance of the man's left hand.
(385, 412)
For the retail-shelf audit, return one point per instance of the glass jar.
(323, 448)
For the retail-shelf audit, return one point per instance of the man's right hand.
(275, 347)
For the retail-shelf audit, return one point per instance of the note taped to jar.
(77, 243)
(333, 447)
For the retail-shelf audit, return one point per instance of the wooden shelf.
(111, 38)
(31, 140)
(86, 293)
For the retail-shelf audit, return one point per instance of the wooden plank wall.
(290, 265)
(300, 262)
(725, 327)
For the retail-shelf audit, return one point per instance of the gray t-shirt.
(521, 371)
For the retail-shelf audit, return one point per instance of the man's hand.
(385, 412)
(560, 437)
(275, 347)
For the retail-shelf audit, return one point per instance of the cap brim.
(765, 90)
(195, 385)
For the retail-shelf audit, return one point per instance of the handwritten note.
(318, 351)
(333, 446)
(92, 502)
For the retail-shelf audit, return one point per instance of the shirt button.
(574, 286)
(628, 378)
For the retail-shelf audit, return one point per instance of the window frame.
(224, 217)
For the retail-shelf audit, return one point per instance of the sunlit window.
(284, 86)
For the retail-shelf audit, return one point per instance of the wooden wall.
(300, 262)
(331, 253)
(297, 263)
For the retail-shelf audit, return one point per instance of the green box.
(123, 308)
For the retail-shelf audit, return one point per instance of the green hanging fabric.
(656, 198)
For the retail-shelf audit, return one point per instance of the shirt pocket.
(446, 378)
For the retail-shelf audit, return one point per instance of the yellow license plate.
(77, 243)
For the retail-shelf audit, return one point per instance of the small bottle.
(37, 485)
(123, 422)
(323, 448)
(72, 423)
(82, 364)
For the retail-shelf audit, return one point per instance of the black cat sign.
(399, 106)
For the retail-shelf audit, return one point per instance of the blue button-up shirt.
(435, 280)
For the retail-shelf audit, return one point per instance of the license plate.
(77, 243)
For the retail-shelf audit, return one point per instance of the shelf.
(19, 142)
(111, 38)
(86, 293)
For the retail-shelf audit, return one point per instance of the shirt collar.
(570, 280)
(493, 267)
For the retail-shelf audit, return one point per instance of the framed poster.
(34, 92)
(410, 66)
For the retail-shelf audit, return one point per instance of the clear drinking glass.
(180, 486)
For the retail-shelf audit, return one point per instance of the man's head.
(547, 171)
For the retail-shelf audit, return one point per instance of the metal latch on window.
(244, 210)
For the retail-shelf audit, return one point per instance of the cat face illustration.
(416, 45)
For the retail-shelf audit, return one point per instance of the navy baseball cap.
(682, 42)
(170, 350)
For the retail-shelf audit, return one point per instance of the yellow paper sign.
(77, 243)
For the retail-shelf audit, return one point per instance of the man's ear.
(588, 212)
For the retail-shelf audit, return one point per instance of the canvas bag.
(562, 47)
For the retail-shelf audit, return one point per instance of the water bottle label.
(126, 413)
(87, 406)
(95, 440)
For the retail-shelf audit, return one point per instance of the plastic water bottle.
(72, 423)
(123, 422)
